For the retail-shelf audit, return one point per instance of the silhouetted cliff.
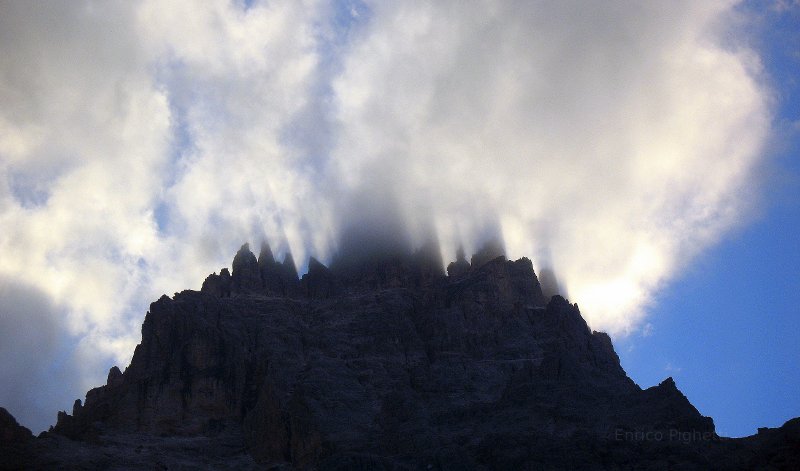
(382, 364)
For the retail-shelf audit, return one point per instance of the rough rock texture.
(246, 275)
(10, 430)
(211, 285)
(319, 282)
(15, 442)
(390, 365)
(288, 275)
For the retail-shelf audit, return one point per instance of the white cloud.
(647, 330)
(141, 143)
(239, 80)
(619, 138)
(90, 132)
(670, 368)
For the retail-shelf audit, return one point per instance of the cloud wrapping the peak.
(616, 138)
(142, 142)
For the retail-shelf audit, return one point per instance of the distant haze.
(141, 143)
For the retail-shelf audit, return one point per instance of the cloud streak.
(142, 143)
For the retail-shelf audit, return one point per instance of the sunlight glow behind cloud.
(141, 143)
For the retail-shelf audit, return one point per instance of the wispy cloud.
(670, 368)
(619, 139)
(647, 330)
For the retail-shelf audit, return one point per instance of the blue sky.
(728, 327)
(637, 148)
(726, 330)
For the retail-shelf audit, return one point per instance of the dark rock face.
(10, 430)
(246, 275)
(290, 282)
(319, 282)
(211, 285)
(277, 278)
(389, 365)
(460, 267)
(15, 443)
(397, 269)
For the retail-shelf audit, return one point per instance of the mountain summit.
(387, 363)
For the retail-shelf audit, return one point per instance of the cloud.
(670, 368)
(141, 143)
(241, 82)
(781, 6)
(83, 137)
(619, 139)
(647, 330)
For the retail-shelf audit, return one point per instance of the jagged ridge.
(385, 364)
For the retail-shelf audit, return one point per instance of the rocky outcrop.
(460, 267)
(16, 444)
(319, 282)
(218, 285)
(271, 272)
(278, 279)
(225, 283)
(246, 276)
(265, 258)
(211, 285)
(11, 431)
(289, 279)
(386, 365)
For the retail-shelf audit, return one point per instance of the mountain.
(381, 363)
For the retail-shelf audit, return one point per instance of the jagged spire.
(319, 282)
(289, 267)
(246, 276)
(315, 266)
(265, 256)
(224, 283)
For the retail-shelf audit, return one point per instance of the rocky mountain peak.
(387, 363)
(265, 256)
(245, 276)
(114, 377)
(289, 268)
